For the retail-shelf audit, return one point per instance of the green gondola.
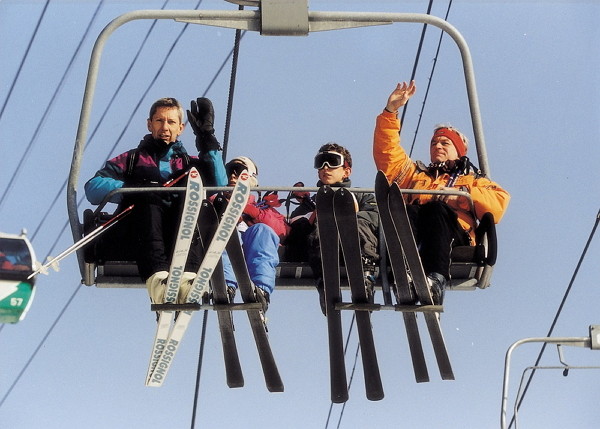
(17, 261)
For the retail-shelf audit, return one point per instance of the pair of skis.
(404, 258)
(191, 209)
(168, 336)
(337, 224)
(207, 226)
(256, 317)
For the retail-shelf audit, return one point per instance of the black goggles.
(234, 169)
(331, 159)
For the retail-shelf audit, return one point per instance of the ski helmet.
(248, 164)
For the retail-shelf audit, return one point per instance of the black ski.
(402, 224)
(347, 226)
(207, 225)
(404, 294)
(256, 317)
(329, 245)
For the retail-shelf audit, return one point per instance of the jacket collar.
(346, 183)
(157, 147)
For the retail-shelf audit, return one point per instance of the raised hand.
(400, 96)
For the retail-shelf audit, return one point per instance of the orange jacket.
(391, 158)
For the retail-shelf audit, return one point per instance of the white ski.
(200, 287)
(187, 225)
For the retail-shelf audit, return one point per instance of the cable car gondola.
(17, 264)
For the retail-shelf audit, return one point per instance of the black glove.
(201, 118)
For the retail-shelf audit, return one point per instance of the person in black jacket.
(334, 166)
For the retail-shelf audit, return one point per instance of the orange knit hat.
(454, 137)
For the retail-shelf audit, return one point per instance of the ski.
(344, 205)
(200, 286)
(256, 317)
(403, 227)
(329, 247)
(207, 225)
(404, 295)
(187, 224)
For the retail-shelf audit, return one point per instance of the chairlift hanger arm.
(567, 341)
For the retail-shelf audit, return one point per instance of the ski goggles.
(329, 159)
(234, 169)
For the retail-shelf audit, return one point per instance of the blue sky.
(536, 66)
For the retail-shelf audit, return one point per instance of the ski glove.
(201, 117)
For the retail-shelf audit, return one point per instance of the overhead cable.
(101, 120)
(429, 82)
(26, 152)
(25, 55)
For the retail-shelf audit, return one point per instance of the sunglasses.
(329, 159)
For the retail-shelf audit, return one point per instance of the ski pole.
(85, 240)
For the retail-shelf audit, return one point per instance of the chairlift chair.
(108, 263)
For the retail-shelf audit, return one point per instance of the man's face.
(330, 176)
(442, 149)
(165, 124)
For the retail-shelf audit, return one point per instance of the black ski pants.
(156, 223)
(367, 233)
(437, 230)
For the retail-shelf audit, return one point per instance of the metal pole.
(570, 341)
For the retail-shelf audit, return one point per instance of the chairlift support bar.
(312, 189)
(592, 342)
(290, 21)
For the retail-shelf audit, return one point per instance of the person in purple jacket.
(160, 157)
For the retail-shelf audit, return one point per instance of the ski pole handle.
(172, 182)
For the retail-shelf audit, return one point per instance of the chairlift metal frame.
(273, 18)
(592, 342)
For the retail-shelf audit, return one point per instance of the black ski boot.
(231, 293)
(263, 298)
(321, 290)
(369, 272)
(437, 284)
(370, 287)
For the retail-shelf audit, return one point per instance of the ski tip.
(381, 181)
(381, 175)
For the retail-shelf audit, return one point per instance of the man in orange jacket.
(439, 224)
